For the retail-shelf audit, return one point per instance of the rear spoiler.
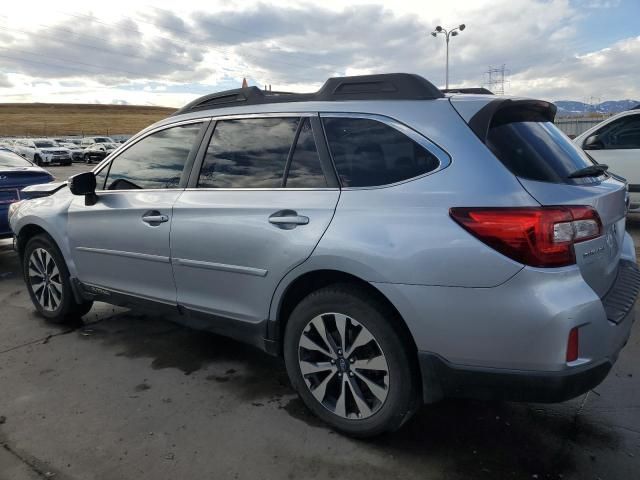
(507, 110)
(42, 190)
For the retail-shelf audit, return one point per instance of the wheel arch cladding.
(314, 280)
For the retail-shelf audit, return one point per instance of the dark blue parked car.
(15, 174)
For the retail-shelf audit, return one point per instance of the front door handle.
(154, 218)
(288, 219)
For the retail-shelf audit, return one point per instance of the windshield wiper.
(590, 171)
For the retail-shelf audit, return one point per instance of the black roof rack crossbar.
(389, 86)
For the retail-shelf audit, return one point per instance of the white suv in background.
(88, 141)
(42, 151)
(616, 142)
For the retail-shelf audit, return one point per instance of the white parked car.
(88, 141)
(77, 152)
(42, 151)
(616, 142)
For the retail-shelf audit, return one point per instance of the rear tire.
(363, 385)
(47, 278)
(87, 159)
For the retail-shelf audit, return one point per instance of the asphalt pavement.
(126, 395)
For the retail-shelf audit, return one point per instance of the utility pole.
(452, 32)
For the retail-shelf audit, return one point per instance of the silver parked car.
(394, 244)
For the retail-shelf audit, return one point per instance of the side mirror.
(84, 184)
(593, 143)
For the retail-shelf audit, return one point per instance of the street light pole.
(447, 34)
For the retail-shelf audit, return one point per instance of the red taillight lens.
(572, 345)
(535, 236)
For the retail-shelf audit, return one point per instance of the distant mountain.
(568, 108)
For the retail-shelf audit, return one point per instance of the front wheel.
(349, 363)
(37, 160)
(48, 284)
(87, 158)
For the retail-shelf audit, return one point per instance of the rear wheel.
(87, 158)
(348, 363)
(48, 284)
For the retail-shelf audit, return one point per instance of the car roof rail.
(388, 86)
(470, 90)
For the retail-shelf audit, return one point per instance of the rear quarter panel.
(403, 233)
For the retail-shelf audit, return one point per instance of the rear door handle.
(288, 219)
(155, 218)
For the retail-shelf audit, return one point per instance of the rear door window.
(369, 153)
(248, 153)
(305, 170)
(537, 150)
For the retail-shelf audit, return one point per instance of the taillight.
(535, 236)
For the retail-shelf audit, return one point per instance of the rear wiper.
(590, 171)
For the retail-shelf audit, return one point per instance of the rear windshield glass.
(537, 151)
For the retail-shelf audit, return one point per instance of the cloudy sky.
(169, 52)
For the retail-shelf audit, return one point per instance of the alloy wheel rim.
(45, 279)
(343, 366)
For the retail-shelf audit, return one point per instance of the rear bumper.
(441, 378)
(510, 341)
(446, 380)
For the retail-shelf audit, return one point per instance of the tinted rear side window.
(248, 153)
(369, 153)
(537, 151)
(305, 170)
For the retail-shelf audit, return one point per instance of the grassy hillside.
(53, 119)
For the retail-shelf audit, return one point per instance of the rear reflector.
(572, 345)
(535, 236)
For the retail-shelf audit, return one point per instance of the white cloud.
(172, 51)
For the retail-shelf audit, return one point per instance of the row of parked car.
(62, 151)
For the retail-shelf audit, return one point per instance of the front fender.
(49, 214)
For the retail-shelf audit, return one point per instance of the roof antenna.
(244, 83)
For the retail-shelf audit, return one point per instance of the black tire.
(402, 381)
(87, 159)
(37, 160)
(67, 309)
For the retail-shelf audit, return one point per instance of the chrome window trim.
(444, 159)
(137, 138)
(241, 116)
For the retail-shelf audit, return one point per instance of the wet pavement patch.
(170, 345)
(497, 440)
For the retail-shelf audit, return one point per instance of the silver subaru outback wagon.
(395, 244)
